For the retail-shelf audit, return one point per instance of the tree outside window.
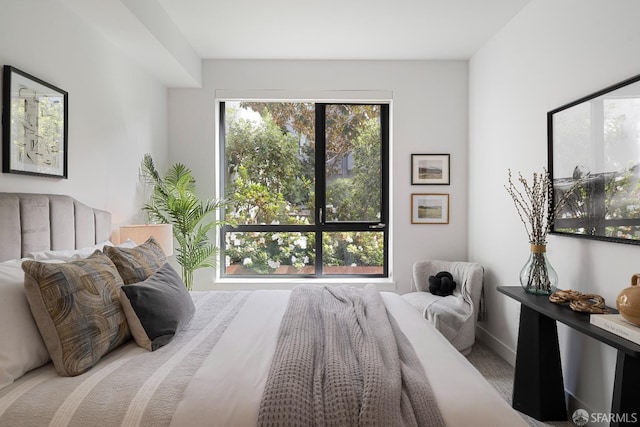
(290, 217)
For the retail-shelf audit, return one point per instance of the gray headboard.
(40, 222)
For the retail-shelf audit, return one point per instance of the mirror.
(596, 139)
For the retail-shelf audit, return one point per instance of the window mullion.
(384, 158)
(384, 126)
(321, 158)
(320, 184)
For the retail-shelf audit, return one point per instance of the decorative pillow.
(21, 346)
(158, 308)
(442, 284)
(126, 244)
(77, 310)
(137, 264)
(68, 255)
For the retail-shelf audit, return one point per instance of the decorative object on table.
(616, 324)
(584, 303)
(628, 301)
(429, 209)
(595, 139)
(538, 276)
(34, 135)
(442, 284)
(430, 169)
(174, 201)
(537, 213)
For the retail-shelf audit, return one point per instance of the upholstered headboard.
(41, 222)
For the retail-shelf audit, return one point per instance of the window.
(307, 185)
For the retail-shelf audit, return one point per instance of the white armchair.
(453, 315)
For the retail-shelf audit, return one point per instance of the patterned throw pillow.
(77, 309)
(137, 264)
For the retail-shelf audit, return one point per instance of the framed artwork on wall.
(429, 208)
(34, 116)
(430, 169)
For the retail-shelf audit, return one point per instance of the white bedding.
(228, 387)
(227, 380)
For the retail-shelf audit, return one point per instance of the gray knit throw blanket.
(341, 360)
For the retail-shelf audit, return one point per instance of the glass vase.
(538, 276)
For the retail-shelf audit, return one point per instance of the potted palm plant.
(173, 201)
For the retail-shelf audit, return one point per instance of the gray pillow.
(158, 308)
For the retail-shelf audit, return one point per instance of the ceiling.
(176, 35)
(340, 29)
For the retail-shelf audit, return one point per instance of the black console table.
(538, 388)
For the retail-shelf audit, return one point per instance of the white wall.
(552, 53)
(117, 112)
(429, 116)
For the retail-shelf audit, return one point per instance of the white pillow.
(68, 255)
(128, 244)
(21, 346)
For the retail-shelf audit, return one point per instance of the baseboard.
(509, 355)
(500, 348)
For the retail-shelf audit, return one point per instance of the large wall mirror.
(596, 140)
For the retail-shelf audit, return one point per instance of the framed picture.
(594, 145)
(429, 209)
(34, 136)
(430, 169)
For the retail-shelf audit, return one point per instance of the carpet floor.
(500, 374)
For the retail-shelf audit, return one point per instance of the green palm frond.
(174, 201)
(198, 256)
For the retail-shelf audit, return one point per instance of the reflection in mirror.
(596, 140)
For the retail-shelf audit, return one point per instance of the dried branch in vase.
(533, 203)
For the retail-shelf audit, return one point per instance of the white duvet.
(213, 373)
(227, 389)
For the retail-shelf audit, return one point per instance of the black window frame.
(319, 226)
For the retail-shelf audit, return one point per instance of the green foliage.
(264, 253)
(268, 154)
(343, 121)
(173, 201)
(265, 175)
(353, 248)
(340, 193)
(270, 179)
(359, 198)
(253, 202)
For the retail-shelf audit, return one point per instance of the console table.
(538, 388)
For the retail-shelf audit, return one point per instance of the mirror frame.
(596, 209)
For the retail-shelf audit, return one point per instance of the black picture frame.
(430, 169)
(594, 141)
(35, 126)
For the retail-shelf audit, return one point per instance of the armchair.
(453, 315)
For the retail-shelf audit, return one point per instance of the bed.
(222, 367)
